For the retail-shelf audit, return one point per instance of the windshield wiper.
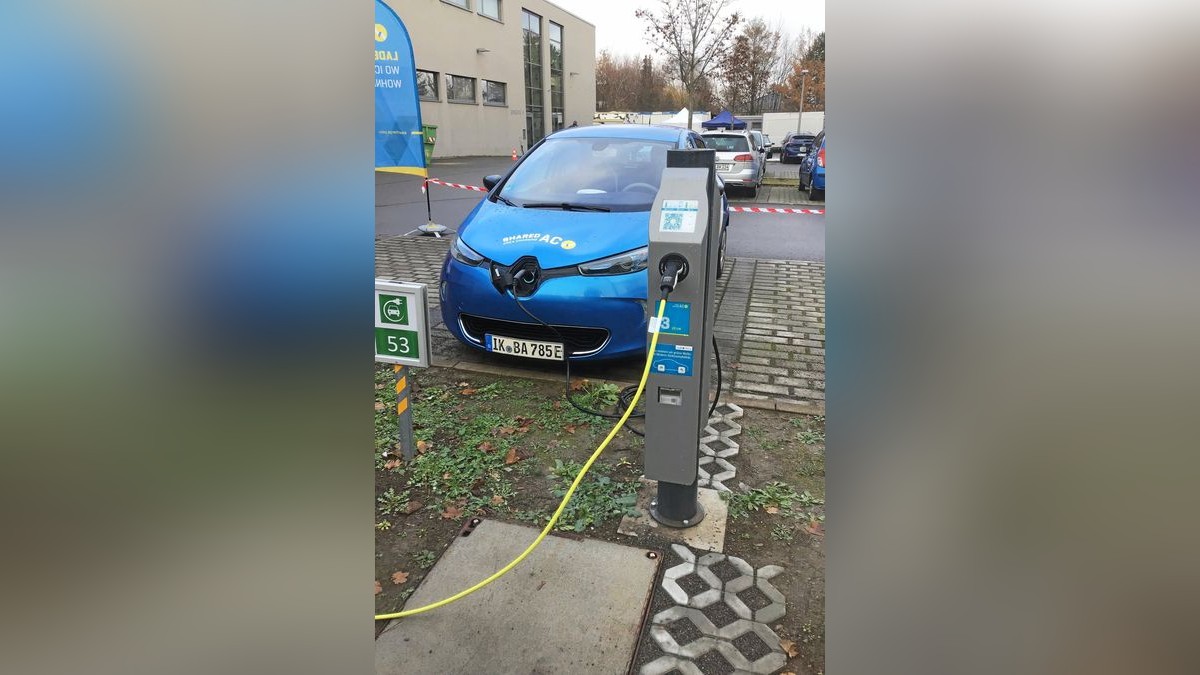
(505, 200)
(567, 206)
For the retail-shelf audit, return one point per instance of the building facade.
(498, 75)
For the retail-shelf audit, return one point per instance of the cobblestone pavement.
(719, 619)
(770, 327)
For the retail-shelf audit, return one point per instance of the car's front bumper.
(616, 304)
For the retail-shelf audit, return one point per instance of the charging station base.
(707, 535)
(572, 606)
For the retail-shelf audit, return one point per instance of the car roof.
(649, 132)
(714, 132)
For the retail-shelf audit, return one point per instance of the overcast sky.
(620, 32)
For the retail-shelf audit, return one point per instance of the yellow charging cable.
(662, 307)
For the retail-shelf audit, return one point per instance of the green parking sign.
(401, 328)
(393, 308)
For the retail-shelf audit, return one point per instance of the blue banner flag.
(398, 135)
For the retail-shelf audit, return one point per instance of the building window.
(556, 76)
(535, 121)
(460, 89)
(427, 85)
(490, 9)
(465, 4)
(495, 93)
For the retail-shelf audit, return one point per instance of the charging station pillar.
(685, 220)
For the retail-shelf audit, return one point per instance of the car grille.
(580, 341)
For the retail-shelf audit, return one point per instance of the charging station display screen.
(676, 319)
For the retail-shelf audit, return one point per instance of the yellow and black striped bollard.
(404, 413)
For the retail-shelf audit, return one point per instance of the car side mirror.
(489, 182)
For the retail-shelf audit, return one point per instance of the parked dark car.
(796, 148)
(812, 169)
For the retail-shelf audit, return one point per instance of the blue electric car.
(812, 170)
(565, 233)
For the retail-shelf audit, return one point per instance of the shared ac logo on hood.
(566, 244)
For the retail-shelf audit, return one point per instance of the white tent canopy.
(679, 120)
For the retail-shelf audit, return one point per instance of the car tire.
(721, 252)
(752, 191)
(815, 195)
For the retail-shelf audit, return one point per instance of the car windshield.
(729, 143)
(602, 174)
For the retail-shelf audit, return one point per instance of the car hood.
(556, 238)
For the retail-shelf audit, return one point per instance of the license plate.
(724, 167)
(530, 349)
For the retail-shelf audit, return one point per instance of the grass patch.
(392, 502)
(812, 430)
(775, 495)
(424, 559)
(597, 498)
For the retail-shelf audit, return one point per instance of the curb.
(764, 403)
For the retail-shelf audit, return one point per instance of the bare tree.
(694, 36)
(747, 69)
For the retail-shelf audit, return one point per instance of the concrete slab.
(709, 535)
(573, 606)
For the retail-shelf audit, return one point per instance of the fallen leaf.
(379, 407)
(446, 476)
(497, 500)
(815, 528)
(379, 386)
(392, 464)
(506, 431)
(790, 647)
(772, 509)
(511, 457)
(570, 428)
(411, 507)
(378, 587)
(486, 446)
(578, 383)
(452, 512)
(469, 392)
(399, 578)
(422, 446)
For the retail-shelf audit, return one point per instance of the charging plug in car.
(502, 278)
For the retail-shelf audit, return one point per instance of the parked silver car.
(740, 161)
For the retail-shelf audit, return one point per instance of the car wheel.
(752, 191)
(815, 194)
(721, 252)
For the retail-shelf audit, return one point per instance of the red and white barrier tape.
(732, 209)
(766, 209)
(460, 186)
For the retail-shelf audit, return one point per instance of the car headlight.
(622, 263)
(464, 254)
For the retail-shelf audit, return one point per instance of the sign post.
(402, 339)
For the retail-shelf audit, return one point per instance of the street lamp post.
(800, 117)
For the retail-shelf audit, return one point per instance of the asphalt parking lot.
(400, 207)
